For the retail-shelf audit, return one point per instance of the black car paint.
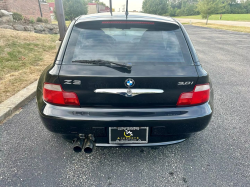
(156, 77)
(177, 122)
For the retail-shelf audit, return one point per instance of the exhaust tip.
(77, 149)
(88, 150)
(89, 144)
(78, 145)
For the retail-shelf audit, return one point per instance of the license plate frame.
(139, 138)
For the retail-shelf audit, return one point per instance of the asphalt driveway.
(217, 156)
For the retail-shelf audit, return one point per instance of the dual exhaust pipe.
(86, 144)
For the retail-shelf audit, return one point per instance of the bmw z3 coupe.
(122, 80)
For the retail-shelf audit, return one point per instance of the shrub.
(17, 16)
(26, 20)
(45, 20)
(32, 21)
(38, 19)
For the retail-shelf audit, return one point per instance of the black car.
(125, 81)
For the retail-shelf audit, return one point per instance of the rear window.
(134, 42)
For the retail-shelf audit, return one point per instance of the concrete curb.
(11, 105)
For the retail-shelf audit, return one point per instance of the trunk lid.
(85, 79)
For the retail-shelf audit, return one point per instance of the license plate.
(126, 135)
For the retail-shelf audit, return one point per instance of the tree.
(74, 8)
(93, 1)
(208, 7)
(247, 6)
(96, 1)
(158, 7)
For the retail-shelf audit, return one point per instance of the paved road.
(217, 156)
(220, 22)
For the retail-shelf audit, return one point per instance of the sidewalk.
(219, 22)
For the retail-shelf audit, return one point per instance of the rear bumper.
(165, 124)
(139, 145)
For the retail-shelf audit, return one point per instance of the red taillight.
(199, 95)
(53, 93)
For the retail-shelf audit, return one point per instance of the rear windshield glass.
(128, 42)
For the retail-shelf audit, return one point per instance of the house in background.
(94, 8)
(28, 8)
(105, 9)
(52, 8)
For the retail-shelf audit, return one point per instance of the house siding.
(92, 8)
(3, 5)
(28, 8)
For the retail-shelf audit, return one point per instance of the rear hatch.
(158, 54)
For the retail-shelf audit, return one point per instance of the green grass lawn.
(23, 57)
(225, 17)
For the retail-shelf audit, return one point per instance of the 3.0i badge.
(129, 83)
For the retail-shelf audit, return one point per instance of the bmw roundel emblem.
(129, 83)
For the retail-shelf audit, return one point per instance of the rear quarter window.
(137, 43)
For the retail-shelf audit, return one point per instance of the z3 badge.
(75, 82)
